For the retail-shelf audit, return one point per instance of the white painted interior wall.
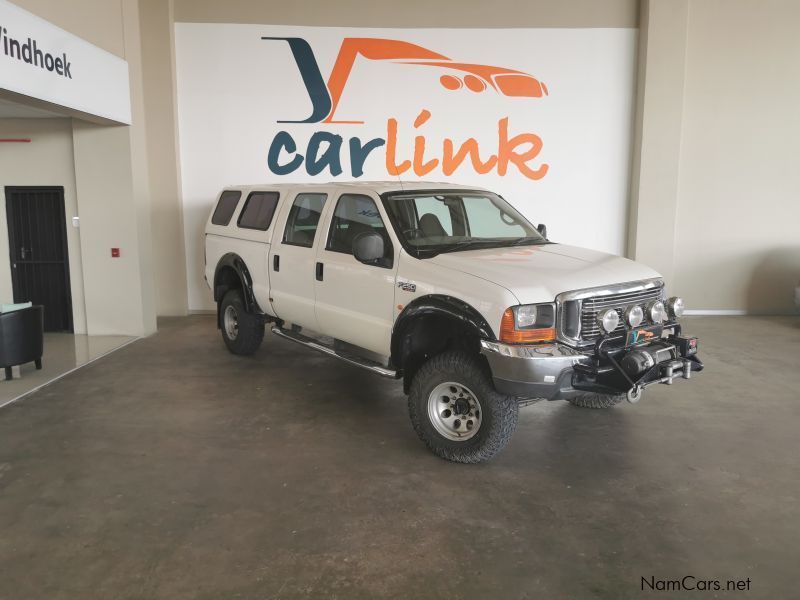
(47, 161)
(737, 232)
(109, 169)
(715, 183)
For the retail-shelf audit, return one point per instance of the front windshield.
(432, 222)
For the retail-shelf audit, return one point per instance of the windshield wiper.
(462, 245)
(477, 243)
(526, 241)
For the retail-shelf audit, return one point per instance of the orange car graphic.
(474, 77)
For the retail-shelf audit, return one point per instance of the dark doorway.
(37, 239)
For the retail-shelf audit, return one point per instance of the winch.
(673, 358)
(639, 360)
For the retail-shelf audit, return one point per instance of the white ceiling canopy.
(12, 110)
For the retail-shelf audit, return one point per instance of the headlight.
(675, 306)
(657, 312)
(634, 315)
(608, 320)
(526, 315)
(528, 323)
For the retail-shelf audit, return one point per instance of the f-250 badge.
(407, 286)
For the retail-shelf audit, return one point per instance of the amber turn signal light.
(511, 335)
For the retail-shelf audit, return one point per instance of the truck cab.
(448, 288)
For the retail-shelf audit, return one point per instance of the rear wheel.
(242, 332)
(456, 411)
(596, 400)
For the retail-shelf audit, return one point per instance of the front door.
(292, 259)
(355, 301)
(37, 239)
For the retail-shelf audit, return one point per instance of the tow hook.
(634, 394)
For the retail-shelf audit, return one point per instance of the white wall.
(111, 179)
(413, 13)
(657, 144)
(169, 271)
(97, 21)
(737, 241)
(116, 300)
(717, 157)
(45, 161)
(226, 117)
(717, 181)
(230, 110)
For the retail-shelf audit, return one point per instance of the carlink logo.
(324, 147)
(325, 98)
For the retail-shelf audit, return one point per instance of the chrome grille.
(578, 310)
(590, 329)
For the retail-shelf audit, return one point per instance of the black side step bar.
(348, 358)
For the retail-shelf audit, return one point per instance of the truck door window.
(355, 214)
(258, 211)
(301, 226)
(228, 201)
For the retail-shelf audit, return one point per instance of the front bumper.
(542, 371)
(556, 371)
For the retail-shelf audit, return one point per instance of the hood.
(539, 273)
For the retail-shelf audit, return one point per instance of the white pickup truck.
(449, 288)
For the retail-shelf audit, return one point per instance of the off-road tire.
(596, 400)
(250, 327)
(499, 412)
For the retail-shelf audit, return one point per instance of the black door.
(37, 239)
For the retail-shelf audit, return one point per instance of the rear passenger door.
(355, 301)
(292, 259)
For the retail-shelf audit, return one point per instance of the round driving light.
(608, 320)
(675, 306)
(634, 315)
(657, 312)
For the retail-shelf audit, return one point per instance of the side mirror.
(368, 247)
(542, 229)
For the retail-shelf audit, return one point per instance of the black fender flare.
(235, 262)
(449, 307)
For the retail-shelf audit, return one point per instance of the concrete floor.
(63, 353)
(171, 469)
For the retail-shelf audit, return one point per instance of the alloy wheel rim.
(454, 411)
(231, 323)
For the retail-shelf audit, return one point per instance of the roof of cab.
(378, 186)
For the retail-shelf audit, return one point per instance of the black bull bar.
(619, 367)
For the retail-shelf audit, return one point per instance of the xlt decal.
(324, 149)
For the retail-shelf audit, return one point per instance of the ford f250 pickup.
(448, 288)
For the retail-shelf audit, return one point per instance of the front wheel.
(456, 411)
(242, 332)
